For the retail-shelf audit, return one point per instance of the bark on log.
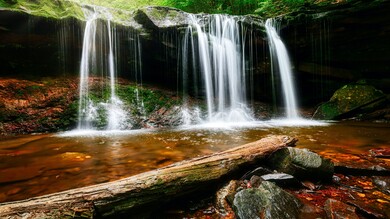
(109, 199)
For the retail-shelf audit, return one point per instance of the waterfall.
(89, 111)
(219, 59)
(279, 53)
(116, 115)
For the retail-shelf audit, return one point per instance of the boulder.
(161, 17)
(267, 201)
(337, 209)
(302, 164)
(349, 101)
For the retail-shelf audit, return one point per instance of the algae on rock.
(349, 100)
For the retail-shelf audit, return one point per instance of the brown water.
(33, 165)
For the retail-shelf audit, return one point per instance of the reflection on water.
(41, 164)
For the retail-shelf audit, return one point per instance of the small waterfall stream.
(219, 50)
(280, 62)
(88, 110)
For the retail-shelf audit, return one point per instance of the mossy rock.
(267, 201)
(301, 163)
(350, 100)
(154, 17)
(46, 8)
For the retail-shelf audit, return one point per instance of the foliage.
(266, 8)
(45, 8)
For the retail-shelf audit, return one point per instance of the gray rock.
(255, 181)
(280, 179)
(161, 17)
(302, 164)
(382, 183)
(268, 201)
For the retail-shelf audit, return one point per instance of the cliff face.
(340, 45)
(35, 46)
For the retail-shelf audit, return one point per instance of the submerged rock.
(382, 183)
(337, 209)
(349, 101)
(302, 164)
(267, 201)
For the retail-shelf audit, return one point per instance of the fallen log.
(113, 198)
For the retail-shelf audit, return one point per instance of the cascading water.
(279, 53)
(88, 110)
(116, 115)
(219, 48)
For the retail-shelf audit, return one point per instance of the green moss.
(68, 118)
(349, 98)
(58, 9)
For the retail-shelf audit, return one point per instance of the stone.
(301, 163)
(255, 181)
(338, 210)
(382, 183)
(281, 179)
(267, 201)
(349, 101)
(153, 17)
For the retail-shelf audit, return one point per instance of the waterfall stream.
(89, 110)
(219, 50)
(280, 62)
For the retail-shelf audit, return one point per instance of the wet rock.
(267, 201)
(281, 179)
(349, 101)
(350, 169)
(255, 181)
(382, 183)
(367, 210)
(302, 164)
(309, 185)
(340, 210)
(161, 17)
(224, 196)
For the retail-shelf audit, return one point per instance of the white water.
(117, 117)
(219, 50)
(279, 52)
(88, 110)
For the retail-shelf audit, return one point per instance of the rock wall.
(338, 45)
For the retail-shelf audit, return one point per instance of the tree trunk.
(113, 198)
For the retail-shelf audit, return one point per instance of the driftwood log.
(118, 197)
